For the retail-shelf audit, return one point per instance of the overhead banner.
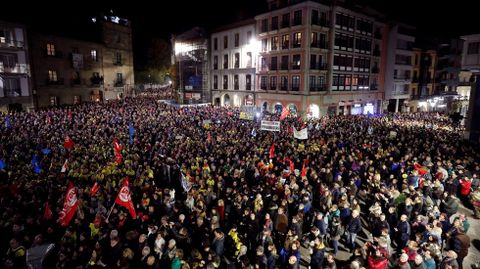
(273, 126)
(302, 134)
(246, 116)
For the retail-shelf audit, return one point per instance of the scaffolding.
(192, 66)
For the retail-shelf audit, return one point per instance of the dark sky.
(433, 18)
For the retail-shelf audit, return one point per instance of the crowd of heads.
(210, 194)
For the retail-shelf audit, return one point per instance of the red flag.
(284, 114)
(117, 147)
(272, 151)
(209, 137)
(292, 166)
(47, 214)
(70, 205)
(68, 143)
(304, 171)
(94, 189)
(69, 115)
(422, 170)
(124, 198)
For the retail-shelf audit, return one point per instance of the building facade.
(399, 70)
(319, 59)
(234, 49)
(471, 63)
(71, 71)
(422, 88)
(15, 70)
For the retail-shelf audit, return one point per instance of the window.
(235, 82)
(264, 44)
(314, 17)
(274, 43)
(264, 26)
(9, 60)
(225, 42)
(296, 62)
(284, 83)
(297, 40)
(215, 82)
(345, 22)
(275, 23)
(284, 62)
(274, 63)
(313, 83)
(52, 76)
(225, 82)
(248, 82)
(249, 36)
(321, 83)
(74, 50)
(285, 42)
(119, 81)
(273, 83)
(295, 83)
(50, 49)
(93, 54)
(237, 40)
(297, 17)
(343, 42)
(285, 20)
(215, 62)
(215, 43)
(53, 100)
(237, 60)
(263, 62)
(314, 37)
(263, 82)
(225, 61)
(249, 59)
(118, 58)
(12, 87)
(403, 59)
(313, 61)
(473, 48)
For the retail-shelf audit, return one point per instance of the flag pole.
(110, 212)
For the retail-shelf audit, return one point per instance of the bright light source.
(357, 105)
(257, 114)
(424, 104)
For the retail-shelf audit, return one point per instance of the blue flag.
(254, 132)
(8, 124)
(46, 151)
(2, 164)
(37, 168)
(131, 131)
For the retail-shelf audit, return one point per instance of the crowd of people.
(213, 191)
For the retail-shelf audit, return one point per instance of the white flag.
(185, 184)
(302, 134)
(64, 167)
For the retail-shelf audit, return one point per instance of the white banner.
(273, 126)
(302, 134)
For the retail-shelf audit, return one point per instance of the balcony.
(376, 53)
(318, 88)
(285, 24)
(117, 62)
(377, 35)
(119, 83)
(56, 54)
(295, 88)
(373, 87)
(318, 66)
(375, 70)
(11, 43)
(284, 66)
(96, 81)
(400, 92)
(297, 22)
(58, 81)
(399, 77)
(11, 92)
(16, 69)
(248, 86)
(295, 66)
(320, 45)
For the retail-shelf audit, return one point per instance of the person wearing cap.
(402, 262)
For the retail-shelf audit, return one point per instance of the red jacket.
(465, 186)
(380, 263)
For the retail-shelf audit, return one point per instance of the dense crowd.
(213, 191)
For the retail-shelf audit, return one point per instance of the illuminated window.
(50, 50)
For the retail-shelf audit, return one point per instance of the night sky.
(433, 18)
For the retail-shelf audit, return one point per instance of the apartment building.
(71, 71)
(234, 49)
(471, 63)
(319, 59)
(15, 74)
(400, 62)
(422, 88)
